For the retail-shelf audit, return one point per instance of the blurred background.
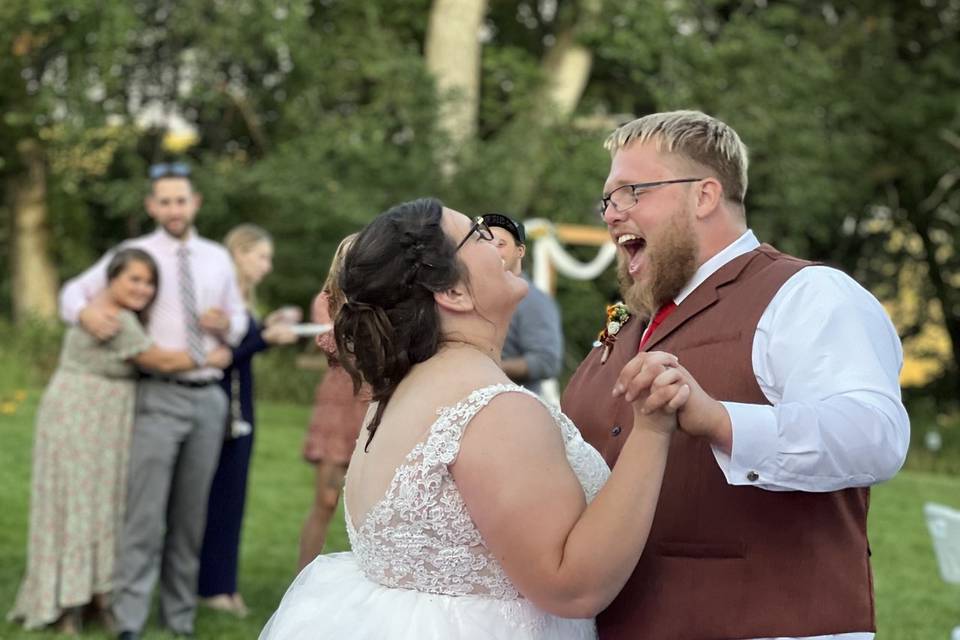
(309, 117)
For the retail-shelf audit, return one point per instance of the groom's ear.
(456, 299)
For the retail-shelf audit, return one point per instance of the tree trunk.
(567, 65)
(34, 275)
(567, 68)
(942, 289)
(453, 51)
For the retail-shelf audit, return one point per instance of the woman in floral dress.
(80, 453)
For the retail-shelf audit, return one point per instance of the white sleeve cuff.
(753, 457)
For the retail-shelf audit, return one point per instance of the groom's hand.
(700, 415)
(650, 383)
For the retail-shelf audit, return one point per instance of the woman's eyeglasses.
(480, 228)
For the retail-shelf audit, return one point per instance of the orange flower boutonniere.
(617, 316)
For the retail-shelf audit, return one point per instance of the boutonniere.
(617, 316)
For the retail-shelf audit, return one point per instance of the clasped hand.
(659, 386)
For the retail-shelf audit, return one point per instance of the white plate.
(310, 329)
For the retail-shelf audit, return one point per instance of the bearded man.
(794, 410)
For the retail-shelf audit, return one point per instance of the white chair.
(944, 525)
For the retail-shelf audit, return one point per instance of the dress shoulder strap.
(452, 421)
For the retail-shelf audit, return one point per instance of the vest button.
(616, 430)
(753, 476)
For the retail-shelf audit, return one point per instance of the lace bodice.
(420, 536)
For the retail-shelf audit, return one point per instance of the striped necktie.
(660, 316)
(188, 299)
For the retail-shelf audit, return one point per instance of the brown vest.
(726, 561)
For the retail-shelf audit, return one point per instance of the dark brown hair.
(119, 263)
(390, 320)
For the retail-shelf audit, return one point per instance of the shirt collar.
(743, 244)
(167, 242)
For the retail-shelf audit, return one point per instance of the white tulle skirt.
(332, 599)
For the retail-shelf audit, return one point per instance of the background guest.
(533, 349)
(178, 428)
(81, 449)
(251, 249)
(337, 416)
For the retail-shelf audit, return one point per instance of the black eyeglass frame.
(607, 200)
(480, 227)
(168, 170)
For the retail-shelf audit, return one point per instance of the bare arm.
(567, 557)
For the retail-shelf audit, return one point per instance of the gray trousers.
(177, 436)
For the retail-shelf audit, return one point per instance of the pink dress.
(337, 412)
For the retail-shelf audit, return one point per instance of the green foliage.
(313, 116)
(850, 112)
(28, 354)
(943, 429)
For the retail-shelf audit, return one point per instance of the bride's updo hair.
(390, 320)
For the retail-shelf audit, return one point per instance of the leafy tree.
(313, 115)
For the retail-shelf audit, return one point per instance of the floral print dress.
(78, 489)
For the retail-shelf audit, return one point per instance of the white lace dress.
(419, 568)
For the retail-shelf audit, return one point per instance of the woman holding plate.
(252, 251)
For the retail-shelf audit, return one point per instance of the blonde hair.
(241, 239)
(331, 286)
(694, 136)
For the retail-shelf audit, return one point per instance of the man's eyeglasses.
(625, 197)
(480, 228)
(169, 170)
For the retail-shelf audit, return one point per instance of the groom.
(794, 409)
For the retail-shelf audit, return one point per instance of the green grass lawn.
(913, 603)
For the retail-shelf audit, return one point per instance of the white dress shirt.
(215, 286)
(828, 359)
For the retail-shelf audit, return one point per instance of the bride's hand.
(654, 384)
(638, 374)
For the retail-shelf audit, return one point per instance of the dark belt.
(181, 382)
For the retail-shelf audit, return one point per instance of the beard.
(178, 230)
(671, 263)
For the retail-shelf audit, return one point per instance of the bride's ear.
(456, 299)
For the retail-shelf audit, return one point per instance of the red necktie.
(659, 317)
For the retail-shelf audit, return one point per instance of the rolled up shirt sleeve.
(827, 357)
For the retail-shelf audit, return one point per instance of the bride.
(473, 509)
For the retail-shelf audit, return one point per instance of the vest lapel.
(702, 297)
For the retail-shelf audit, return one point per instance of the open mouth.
(634, 246)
